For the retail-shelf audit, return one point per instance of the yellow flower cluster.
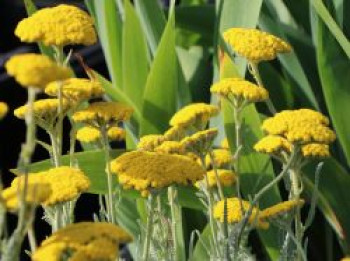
(302, 126)
(254, 44)
(315, 150)
(76, 89)
(226, 178)
(281, 208)
(222, 159)
(35, 70)
(200, 141)
(240, 90)
(175, 133)
(66, 183)
(170, 147)
(150, 142)
(102, 113)
(92, 135)
(273, 144)
(45, 111)
(86, 241)
(60, 25)
(36, 193)
(224, 144)
(144, 171)
(3, 109)
(196, 115)
(234, 212)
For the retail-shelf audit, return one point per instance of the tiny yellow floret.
(201, 141)
(116, 134)
(88, 135)
(3, 109)
(234, 212)
(76, 89)
(222, 159)
(225, 144)
(281, 208)
(315, 150)
(254, 44)
(59, 26)
(150, 142)
(226, 178)
(170, 147)
(35, 70)
(196, 115)
(273, 144)
(238, 90)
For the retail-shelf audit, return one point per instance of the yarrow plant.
(189, 164)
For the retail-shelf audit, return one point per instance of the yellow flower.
(175, 133)
(144, 171)
(45, 111)
(88, 135)
(116, 134)
(86, 241)
(61, 25)
(66, 183)
(76, 89)
(103, 113)
(226, 178)
(201, 141)
(273, 144)
(315, 150)
(254, 44)
(36, 194)
(345, 259)
(234, 212)
(239, 90)
(170, 147)
(280, 209)
(150, 142)
(3, 109)
(35, 70)
(222, 159)
(225, 144)
(196, 115)
(302, 126)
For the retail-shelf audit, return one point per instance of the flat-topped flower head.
(35, 70)
(66, 183)
(76, 89)
(93, 135)
(116, 134)
(103, 113)
(273, 144)
(36, 194)
(226, 178)
(60, 25)
(83, 241)
(200, 142)
(238, 90)
(145, 171)
(280, 209)
(254, 44)
(300, 126)
(150, 142)
(175, 133)
(3, 109)
(196, 115)
(170, 147)
(234, 212)
(315, 150)
(222, 159)
(45, 111)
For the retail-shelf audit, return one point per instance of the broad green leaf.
(31, 9)
(161, 87)
(135, 56)
(334, 196)
(109, 28)
(200, 252)
(333, 66)
(290, 61)
(153, 21)
(332, 25)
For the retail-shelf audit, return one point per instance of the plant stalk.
(149, 230)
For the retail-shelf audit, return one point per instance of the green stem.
(32, 239)
(255, 73)
(149, 230)
(110, 203)
(215, 169)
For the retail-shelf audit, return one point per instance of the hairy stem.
(149, 230)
